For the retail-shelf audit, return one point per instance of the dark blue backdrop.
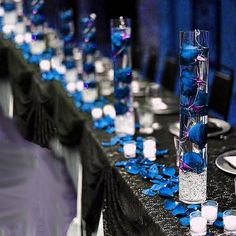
(161, 20)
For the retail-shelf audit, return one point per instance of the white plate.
(225, 127)
(224, 165)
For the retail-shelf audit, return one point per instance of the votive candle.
(229, 219)
(130, 149)
(209, 210)
(97, 113)
(198, 224)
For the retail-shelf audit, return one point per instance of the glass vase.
(121, 55)
(194, 62)
(89, 93)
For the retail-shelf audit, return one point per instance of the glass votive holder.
(130, 149)
(96, 113)
(229, 219)
(177, 149)
(150, 153)
(198, 224)
(146, 119)
(149, 142)
(109, 110)
(209, 210)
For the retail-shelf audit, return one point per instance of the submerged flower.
(124, 75)
(192, 161)
(121, 93)
(198, 134)
(89, 67)
(121, 108)
(188, 82)
(120, 42)
(188, 54)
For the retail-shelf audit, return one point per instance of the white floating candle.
(19, 39)
(130, 150)
(45, 65)
(80, 85)
(149, 142)
(71, 87)
(230, 223)
(210, 213)
(28, 37)
(198, 225)
(96, 113)
(71, 75)
(109, 110)
(150, 153)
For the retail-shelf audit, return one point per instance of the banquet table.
(43, 110)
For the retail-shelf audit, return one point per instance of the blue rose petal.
(198, 134)
(220, 215)
(194, 161)
(132, 168)
(188, 54)
(120, 163)
(165, 192)
(180, 210)
(194, 207)
(188, 83)
(156, 187)
(149, 192)
(175, 189)
(162, 152)
(169, 171)
(184, 221)
(121, 93)
(144, 173)
(170, 204)
(155, 181)
(219, 224)
(113, 142)
(153, 171)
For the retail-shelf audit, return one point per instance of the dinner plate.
(223, 126)
(222, 164)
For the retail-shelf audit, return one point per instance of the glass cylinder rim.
(119, 18)
(210, 201)
(193, 31)
(226, 212)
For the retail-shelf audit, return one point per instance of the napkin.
(231, 160)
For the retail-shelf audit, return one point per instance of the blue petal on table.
(113, 142)
(146, 161)
(162, 152)
(134, 160)
(220, 215)
(198, 134)
(184, 221)
(149, 192)
(110, 130)
(120, 163)
(164, 182)
(175, 188)
(194, 207)
(170, 204)
(153, 171)
(155, 181)
(132, 168)
(165, 192)
(139, 139)
(144, 173)
(156, 187)
(175, 179)
(201, 99)
(218, 224)
(169, 171)
(139, 145)
(158, 177)
(179, 210)
(121, 93)
(120, 150)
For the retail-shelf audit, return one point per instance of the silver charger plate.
(224, 165)
(225, 127)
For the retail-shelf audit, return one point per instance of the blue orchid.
(192, 161)
(124, 75)
(188, 54)
(89, 67)
(188, 83)
(121, 93)
(198, 134)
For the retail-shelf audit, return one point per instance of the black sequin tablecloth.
(44, 110)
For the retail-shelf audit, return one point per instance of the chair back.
(221, 93)
(169, 73)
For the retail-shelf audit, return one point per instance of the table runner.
(126, 210)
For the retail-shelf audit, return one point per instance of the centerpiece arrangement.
(121, 56)
(193, 116)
